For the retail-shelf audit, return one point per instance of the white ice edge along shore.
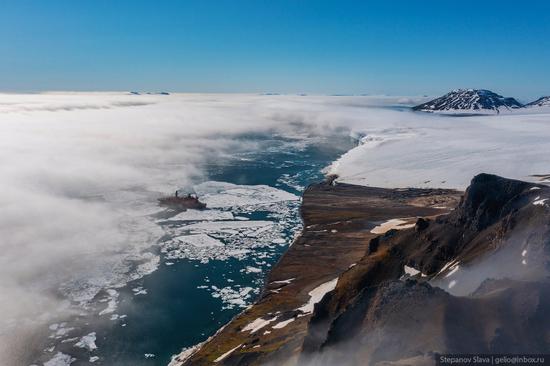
(416, 149)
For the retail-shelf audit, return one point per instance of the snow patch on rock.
(317, 295)
(396, 224)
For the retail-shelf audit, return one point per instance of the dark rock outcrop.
(472, 281)
(470, 101)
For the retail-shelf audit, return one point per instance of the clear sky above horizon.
(346, 47)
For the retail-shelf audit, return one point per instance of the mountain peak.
(469, 101)
(541, 102)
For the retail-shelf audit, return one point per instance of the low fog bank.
(515, 261)
(82, 171)
(507, 291)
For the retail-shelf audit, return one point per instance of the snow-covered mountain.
(541, 102)
(469, 101)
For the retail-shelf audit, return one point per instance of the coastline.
(339, 221)
(122, 237)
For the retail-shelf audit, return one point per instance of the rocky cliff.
(383, 276)
(472, 281)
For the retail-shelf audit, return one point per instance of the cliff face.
(357, 289)
(337, 229)
(472, 281)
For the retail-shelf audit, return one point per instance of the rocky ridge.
(473, 101)
(403, 276)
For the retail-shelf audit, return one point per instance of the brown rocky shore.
(338, 220)
(394, 276)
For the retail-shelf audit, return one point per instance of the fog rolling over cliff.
(81, 174)
(473, 281)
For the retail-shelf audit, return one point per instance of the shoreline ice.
(431, 151)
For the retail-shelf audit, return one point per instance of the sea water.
(212, 263)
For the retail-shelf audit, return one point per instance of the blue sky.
(393, 47)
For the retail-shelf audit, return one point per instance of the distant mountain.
(149, 93)
(469, 101)
(541, 102)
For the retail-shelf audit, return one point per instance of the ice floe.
(60, 359)
(250, 269)
(87, 342)
(139, 291)
(223, 239)
(199, 240)
(291, 181)
(114, 272)
(112, 301)
(59, 330)
(227, 226)
(224, 195)
(68, 340)
(117, 317)
(232, 297)
(202, 215)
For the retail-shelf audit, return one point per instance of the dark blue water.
(175, 313)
